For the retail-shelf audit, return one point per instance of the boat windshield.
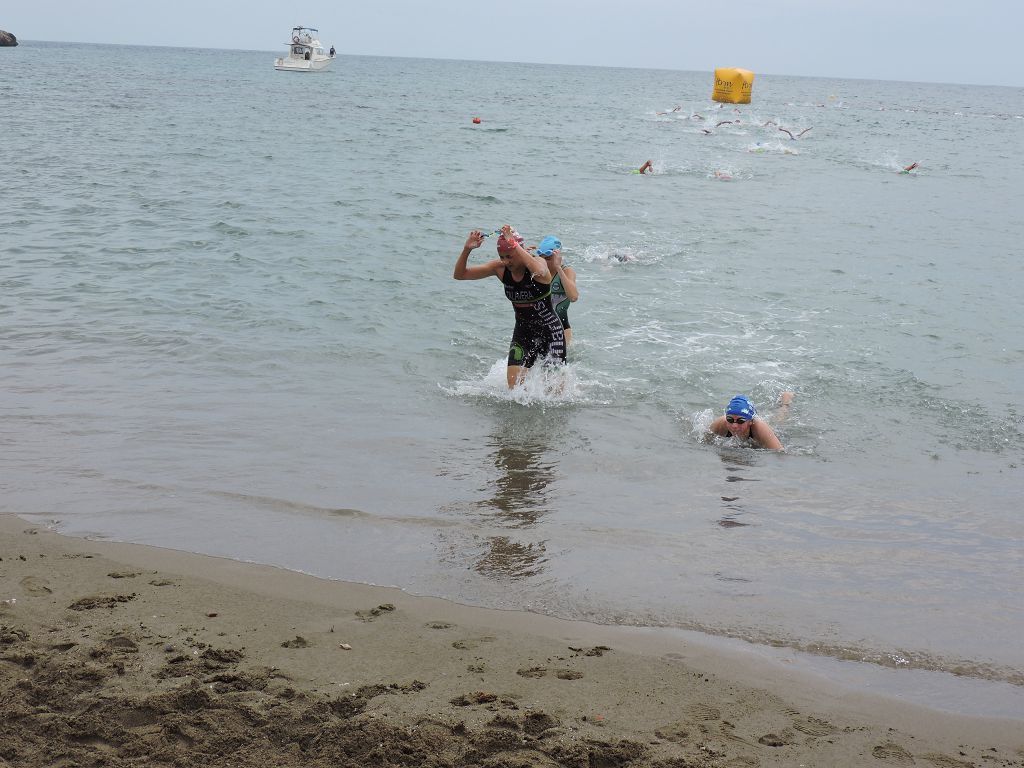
(304, 34)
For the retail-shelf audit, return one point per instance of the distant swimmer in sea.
(791, 136)
(645, 168)
(563, 282)
(538, 334)
(742, 423)
(910, 168)
(723, 175)
(726, 122)
(674, 109)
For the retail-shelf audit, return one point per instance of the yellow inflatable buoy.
(732, 85)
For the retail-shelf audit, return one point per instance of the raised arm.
(782, 410)
(465, 272)
(537, 266)
(568, 275)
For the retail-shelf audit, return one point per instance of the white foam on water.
(771, 148)
(543, 384)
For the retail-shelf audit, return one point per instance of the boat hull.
(289, 65)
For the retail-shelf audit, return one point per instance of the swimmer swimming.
(742, 423)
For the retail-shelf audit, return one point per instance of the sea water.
(228, 325)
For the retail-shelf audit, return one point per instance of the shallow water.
(228, 325)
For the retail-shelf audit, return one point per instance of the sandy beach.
(123, 655)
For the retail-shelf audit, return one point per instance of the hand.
(475, 240)
(555, 262)
(785, 398)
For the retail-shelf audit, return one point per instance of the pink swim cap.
(504, 246)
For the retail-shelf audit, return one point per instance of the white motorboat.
(305, 53)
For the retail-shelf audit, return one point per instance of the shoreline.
(114, 651)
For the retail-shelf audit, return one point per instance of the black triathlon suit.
(538, 333)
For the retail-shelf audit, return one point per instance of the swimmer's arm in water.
(764, 435)
(782, 410)
(568, 275)
(537, 266)
(478, 271)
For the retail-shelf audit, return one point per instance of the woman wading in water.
(538, 334)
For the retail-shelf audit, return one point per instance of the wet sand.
(123, 655)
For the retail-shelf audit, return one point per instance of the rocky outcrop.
(6, 38)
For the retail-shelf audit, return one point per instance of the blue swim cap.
(740, 406)
(549, 245)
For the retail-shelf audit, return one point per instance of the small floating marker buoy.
(476, 121)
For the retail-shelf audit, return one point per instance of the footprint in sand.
(892, 753)
(945, 761)
(35, 585)
(99, 601)
(704, 712)
(439, 625)
(470, 643)
(477, 697)
(373, 613)
(676, 733)
(532, 672)
(122, 643)
(728, 732)
(597, 650)
(812, 726)
(568, 674)
(536, 722)
(775, 740)
(124, 574)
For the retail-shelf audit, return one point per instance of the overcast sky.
(966, 42)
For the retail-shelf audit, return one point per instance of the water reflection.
(738, 462)
(520, 449)
(521, 485)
